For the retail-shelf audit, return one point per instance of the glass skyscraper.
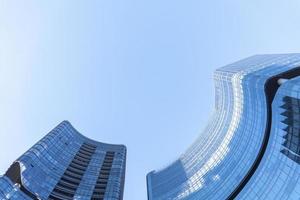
(251, 146)
(66, 165)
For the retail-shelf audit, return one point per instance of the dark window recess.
(101, 184)
(14, 174)
(291, 144)
(71, 179)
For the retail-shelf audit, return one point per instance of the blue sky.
(134, 72)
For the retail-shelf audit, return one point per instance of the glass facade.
(251, 147)
(67, 165)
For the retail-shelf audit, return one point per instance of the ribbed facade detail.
(101, 184)
(291, 144)
(69, 182)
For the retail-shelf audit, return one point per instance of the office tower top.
(66, 165)
(251, 147)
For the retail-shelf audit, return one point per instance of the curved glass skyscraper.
(251, 147)
(66, 165)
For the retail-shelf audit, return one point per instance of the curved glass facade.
(67, 165)
(243, 141)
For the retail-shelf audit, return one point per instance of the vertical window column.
(70, 180)
(101, 184)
